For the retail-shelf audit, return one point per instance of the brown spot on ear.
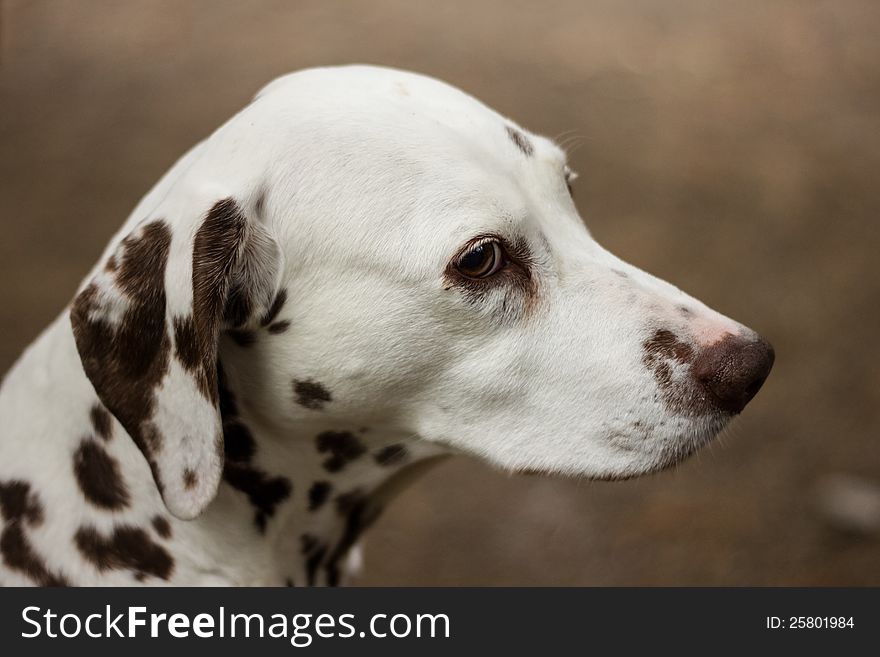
(22, 508)
(98, 476)
(126, 362)
(186, 343)
(274, 309)
(190, 478)
(390, 455)
(279, 327)
(311, 394)
(343, 447)
(218, 244)
(102, 422)
(318, 494)
(162, 526)
(128, 548)
(522, 142)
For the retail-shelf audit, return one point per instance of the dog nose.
(734, 369)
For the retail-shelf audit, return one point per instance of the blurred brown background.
(733, 148)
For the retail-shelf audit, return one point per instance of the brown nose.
(734, 369)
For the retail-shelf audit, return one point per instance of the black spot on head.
(522, 142)
(318, 494)
(390, 455)
(127, 548)
(99, 477)
(162, 526)
(343, 447)
(311, 394)
(101, 422)
(274, 309)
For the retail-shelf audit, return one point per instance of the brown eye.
(483, 260)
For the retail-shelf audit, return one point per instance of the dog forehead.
(406, 110)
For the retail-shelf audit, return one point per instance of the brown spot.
(217, 246)
(265, 492)
(102, 422)
(661, 354)
(522, 142)
(162, 526)
(238, 442)
(98, 476)
(22, 508)
(279, 327)
(314, 550)
(359, 514)
(274, 309)
(242, 337)
(318, 494)
(126, 362)
(238, 307)
(343, 447)
(390, 455)
(186, 343)
(127, 548)
(111, 265)
(190, 478)
(311, 394)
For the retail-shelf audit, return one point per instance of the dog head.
(371, 246)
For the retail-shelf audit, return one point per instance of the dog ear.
(147, 325)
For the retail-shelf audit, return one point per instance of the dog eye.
(482, 260)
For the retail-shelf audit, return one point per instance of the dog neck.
(310, 491)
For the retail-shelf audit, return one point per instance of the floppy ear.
(147, 324)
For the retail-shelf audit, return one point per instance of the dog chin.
(678, 449)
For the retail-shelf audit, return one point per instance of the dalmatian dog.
(361, 272)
